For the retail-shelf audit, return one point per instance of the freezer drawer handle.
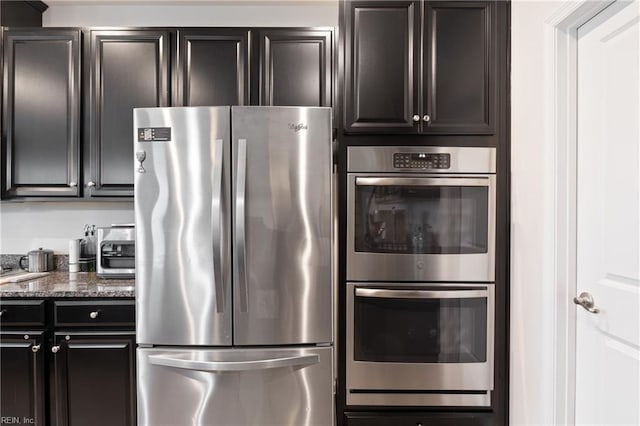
(216, 209)
(419, 294)
(263, 364)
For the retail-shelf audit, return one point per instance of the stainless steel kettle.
(38, 260)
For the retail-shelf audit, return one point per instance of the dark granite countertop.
(69, 284)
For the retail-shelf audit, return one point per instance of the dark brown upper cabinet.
(381, 70)
(420, 67)
(212, 67)
(294, 67)
(41, 107)
(288, 67)
(22, 13)
(127, 69)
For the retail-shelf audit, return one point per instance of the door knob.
(586, 301)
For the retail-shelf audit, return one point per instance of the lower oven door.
(420, 344)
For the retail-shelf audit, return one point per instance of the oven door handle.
(418, 181)
(420, 294)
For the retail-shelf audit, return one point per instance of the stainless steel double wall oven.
(421, 230)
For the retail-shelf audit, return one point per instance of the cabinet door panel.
(41, 106)
(381, 67)
(295, 67)
(459, 65)
(95, 379)
(22, 377)
(212, 67)
(129, 69)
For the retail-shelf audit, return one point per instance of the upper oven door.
(421, 227)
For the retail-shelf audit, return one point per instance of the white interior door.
(608, 231)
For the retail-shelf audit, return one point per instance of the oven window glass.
(420, 330)
(421, 219)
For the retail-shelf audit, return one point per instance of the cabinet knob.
(73, 184)
(426, 118)
(55, 349)
(93, 315)
(91, 184)
(35, 348)
(416, 118)
(1, 312)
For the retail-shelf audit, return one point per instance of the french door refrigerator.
(233, 266)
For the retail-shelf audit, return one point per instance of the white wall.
(532, 294)
(204, 13)
(25, 226)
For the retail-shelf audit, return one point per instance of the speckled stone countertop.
(69, 284)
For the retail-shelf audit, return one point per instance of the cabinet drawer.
(26, 313)
(103, 313)
(418, 419)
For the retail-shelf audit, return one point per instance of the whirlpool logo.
(296, 127)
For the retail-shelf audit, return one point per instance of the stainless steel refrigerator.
(233, 266)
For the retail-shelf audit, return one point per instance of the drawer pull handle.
(55, 349)
(94, 314)
(35, 348)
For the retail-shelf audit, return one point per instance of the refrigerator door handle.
(240, 257)
(230, 366)
(216, 217)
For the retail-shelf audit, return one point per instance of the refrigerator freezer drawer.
(235, 387)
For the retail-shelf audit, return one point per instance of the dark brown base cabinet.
(22, 377)
(94, 376)
(77, 369)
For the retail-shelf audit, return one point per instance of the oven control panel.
(421, 160)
